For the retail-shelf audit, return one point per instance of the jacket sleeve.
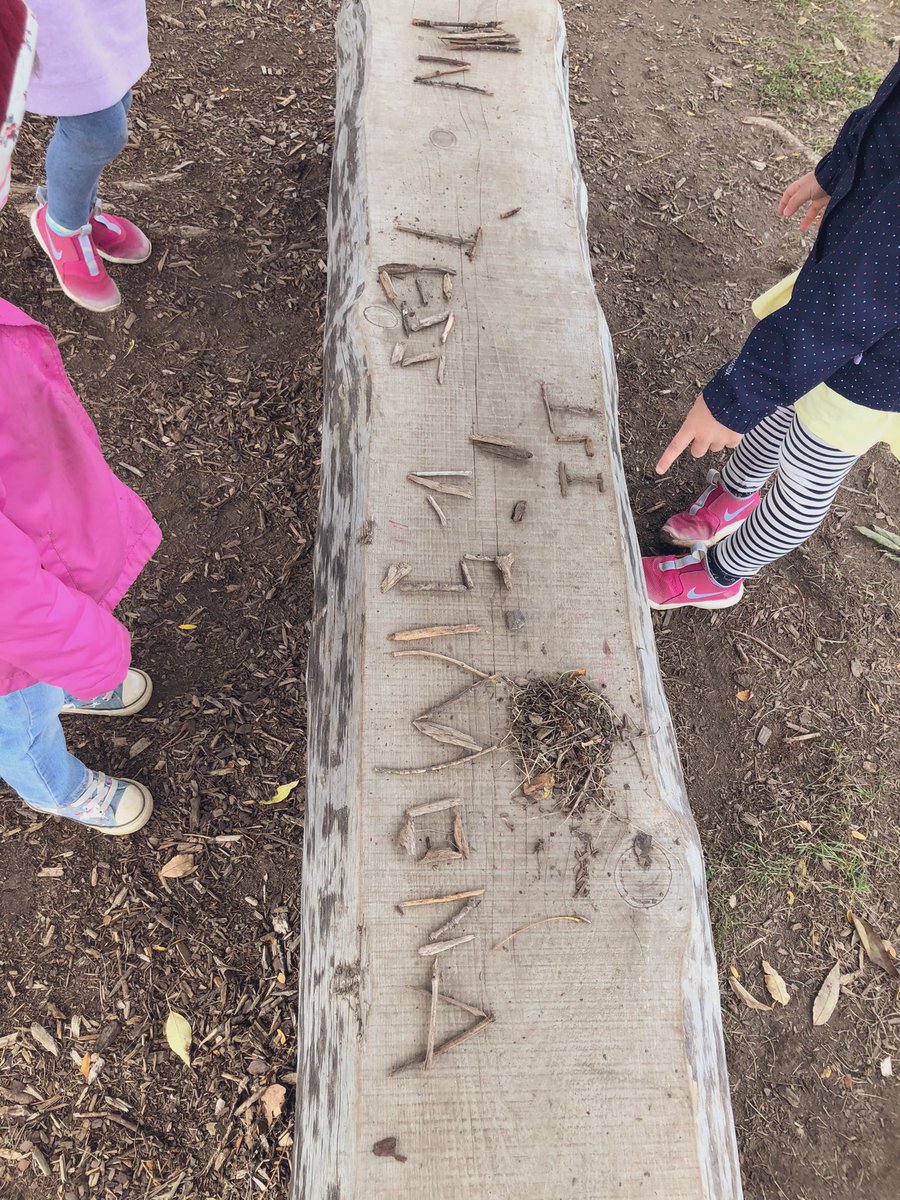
(57, 634)
(841, 305)
(841, 155)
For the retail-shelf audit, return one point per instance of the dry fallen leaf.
(744, 695)
(272, 1102)
(177, 867)
(85, 1067)
(874, 946)
(751, 1001)
(178, 1035)
(281, 793)
(886, 1067)
(839, 45)
(43, 1039)
(827, 996)
(387, 1148)
(775, 985)
(541, 787)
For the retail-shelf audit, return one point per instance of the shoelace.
(97, 796)
(712, 478)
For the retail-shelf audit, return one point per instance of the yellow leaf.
(178, 1035)
(855, 833)
(826, 1074)
(775, 985)
(187, 626)
(750, 1000)
(86, 1065)
(791, 897)
(734, 972)
(281, 1037)
(281, 977)
(805, 825)
(827, 996)
(177, 867)
(281, 793)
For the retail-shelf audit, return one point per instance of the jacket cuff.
(721, 398)
(827, 173)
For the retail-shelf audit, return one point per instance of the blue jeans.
(34, 760)
(79, 150)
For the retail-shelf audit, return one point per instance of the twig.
(430, 631)
(440, 74)
(448, 899)
(434, 585)
(437, 508)
(454, 762)
(765, 645)
(473, 249)
(451, 1000)
(459, 834)
(458, 87)
(448, 62)
(446, 489)
(442, 947)
(786, 136)
(433, 806)
(511, 213)
(455, 699)
(418, 359)
(501, 447)
(444, 1047)
(449, 239)
(453, 921)
(421, 23)
(534, 924)
(432, 1015)
(447, 327)
(457, 662)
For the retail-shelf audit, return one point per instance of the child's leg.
(79, 150)
(809, 475)
(34, 760)
(756, 458)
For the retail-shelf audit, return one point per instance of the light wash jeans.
(34, 760)
(79, 150)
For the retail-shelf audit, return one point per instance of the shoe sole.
(729, 603)
(135, 823)
(125, 262)
(687, 543)
(99, 308)
(135, 706)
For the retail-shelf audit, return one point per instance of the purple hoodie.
(89, 53)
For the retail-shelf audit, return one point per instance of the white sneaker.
(112, 806)
(132, 695)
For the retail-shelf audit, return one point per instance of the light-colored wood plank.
(602, 1075)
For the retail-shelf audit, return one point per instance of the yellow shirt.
(851, 428)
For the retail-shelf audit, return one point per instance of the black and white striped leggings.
(808, 473)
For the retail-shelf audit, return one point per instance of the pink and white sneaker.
(714, 515)
(684, 582)
(117, 239)
(73, 255)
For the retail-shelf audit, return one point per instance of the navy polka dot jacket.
(842, 325)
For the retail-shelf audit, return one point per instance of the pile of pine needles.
(563, 731)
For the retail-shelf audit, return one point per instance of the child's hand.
(803, 191)
(702, 432)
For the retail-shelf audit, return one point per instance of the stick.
(413, 268)
(430, 631)
(512, 212)
(786, 136)
(469, 1008)
(442, 366)
(433, 858)
(466, 573)
(443, 474)
(454, 762)
(433, 806)
(448, 899)
(534, 924)
(423, 24)
(437, 508)
(429, 235)
(418, 359)
(434, 319)
(765, 645)
(547, 409)
(433, 586)
(459, 834)
(455, 699)
(446, 489)
(459, 87)
(457, 662)
(453, 921)
(444, 1047)
(439, 74)
(387, 286)
(501, 447)
(471, 252)
(449, 62)
(442, 947)
(432, 1015)
(447, 327)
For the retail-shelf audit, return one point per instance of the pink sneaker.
(117, 239)
(715, 514)
(81, 275)
(674, 582)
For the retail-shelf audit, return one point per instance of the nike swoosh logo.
(693, 594)
(730, 513)
(57, 254)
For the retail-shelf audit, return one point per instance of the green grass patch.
(806, 79)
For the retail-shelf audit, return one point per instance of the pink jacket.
(72, 537)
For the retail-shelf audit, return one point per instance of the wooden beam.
(596, 1067)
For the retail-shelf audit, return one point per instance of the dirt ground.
(205, 387)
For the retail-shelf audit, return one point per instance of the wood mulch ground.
(205, 386)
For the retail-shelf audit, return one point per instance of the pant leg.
(809, 475)
(756, 458)
(78, 151)
(34, 760)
